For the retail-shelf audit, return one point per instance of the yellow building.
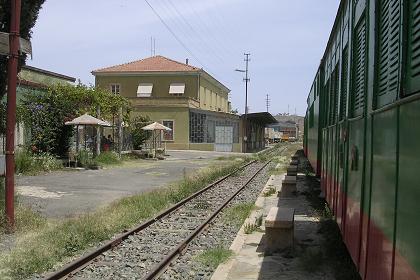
(183, 97)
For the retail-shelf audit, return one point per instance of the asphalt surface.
(71, 193)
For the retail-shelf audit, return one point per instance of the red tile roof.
(151, 64)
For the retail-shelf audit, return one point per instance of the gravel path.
(133, 258)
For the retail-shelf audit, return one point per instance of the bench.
(292, 170)
(279, 229)
(288, 186)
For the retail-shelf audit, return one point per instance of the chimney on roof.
(186, 61)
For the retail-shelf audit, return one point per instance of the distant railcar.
(362, 130)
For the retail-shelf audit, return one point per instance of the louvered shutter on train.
(344, 83)
(359, 68)
(388, 52)
(413, 78)
(336, 93)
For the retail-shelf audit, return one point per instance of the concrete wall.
(180, 116)
(212, 97)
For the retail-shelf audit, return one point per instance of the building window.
(177, 89)
(115, 88)
(144, 90)
(197, 128)
(168, 135)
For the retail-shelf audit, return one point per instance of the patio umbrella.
(85, 120)
(156, 127)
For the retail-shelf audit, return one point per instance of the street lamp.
(246, 80)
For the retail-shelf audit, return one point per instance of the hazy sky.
(286, 40)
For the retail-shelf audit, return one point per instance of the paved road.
(69, 193)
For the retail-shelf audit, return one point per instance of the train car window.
(413, 63)
(344, 83)
(388, 52)
(359, 68)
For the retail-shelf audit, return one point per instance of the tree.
(46, 112)
(139, 135)
(29, 15)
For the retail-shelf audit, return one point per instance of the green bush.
(29, 163)
(137, 133)
(106, 158)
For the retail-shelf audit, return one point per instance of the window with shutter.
(388, 71)
(333, 97)
(359, 68)
(413, 73)
(336, 93)
(344, 83)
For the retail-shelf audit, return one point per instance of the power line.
(206, 28)
(195, 34)
(173, 34)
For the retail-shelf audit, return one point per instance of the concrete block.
(279, 229)
(294, 162)
(292, 170)
(274, 181)
(288, 187)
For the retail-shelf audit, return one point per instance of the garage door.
(224, 139)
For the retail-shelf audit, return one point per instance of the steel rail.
(161, 266)
(86, 259)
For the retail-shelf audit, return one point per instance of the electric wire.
(195, 33)
(174, 35)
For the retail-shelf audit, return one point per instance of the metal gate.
(224, 139)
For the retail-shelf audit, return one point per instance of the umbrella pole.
(84, 135)
(77, 138)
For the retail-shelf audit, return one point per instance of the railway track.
(145, 251)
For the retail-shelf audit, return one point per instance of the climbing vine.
(46, 112)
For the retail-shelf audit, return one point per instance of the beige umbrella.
(85, 120)
(155, 127)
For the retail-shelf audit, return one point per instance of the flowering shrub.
(29, 163)
(46, 112)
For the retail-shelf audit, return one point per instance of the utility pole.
(267, 101)
(11, 111)
(246, 80)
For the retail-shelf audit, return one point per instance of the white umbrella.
(87, 119)
(156, 126)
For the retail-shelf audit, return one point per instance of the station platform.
(250, 260)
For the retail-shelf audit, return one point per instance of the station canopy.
(262, 118)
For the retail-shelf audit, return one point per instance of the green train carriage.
(363, 126)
